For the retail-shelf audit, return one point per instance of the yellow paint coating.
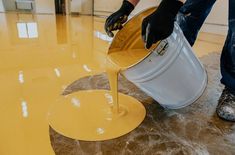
(98, 115)
(35, 68)
(112, 72)
(92, 115)
(88, 115)
(125, 59)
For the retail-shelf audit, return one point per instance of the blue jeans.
(191, 17)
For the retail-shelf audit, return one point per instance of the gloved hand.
(115, 21)
(160, 24)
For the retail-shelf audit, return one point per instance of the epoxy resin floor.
(45, 56)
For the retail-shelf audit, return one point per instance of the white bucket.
(175, 77)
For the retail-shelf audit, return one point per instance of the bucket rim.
(160, 71)
(155, 46)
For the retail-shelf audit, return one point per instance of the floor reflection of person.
(190, 15)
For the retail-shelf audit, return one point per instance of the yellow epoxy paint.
(88, 115)
(98, 115)
(112, 72)
(35, 68)
(127, 58)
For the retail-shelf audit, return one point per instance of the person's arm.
(134, 2)
(183, 1)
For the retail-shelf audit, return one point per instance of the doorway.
(60, 7)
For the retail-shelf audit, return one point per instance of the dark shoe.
(226, 105)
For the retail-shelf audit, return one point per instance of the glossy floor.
(45, 56)
(40, 56)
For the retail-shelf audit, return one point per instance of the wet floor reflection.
(34, 71)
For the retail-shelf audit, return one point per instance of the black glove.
(115, 21)
(160, 24)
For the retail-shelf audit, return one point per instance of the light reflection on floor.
(37, 63)
(34, 71)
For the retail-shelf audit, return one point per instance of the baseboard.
(102, 13)
(215, 28)
(74, 13)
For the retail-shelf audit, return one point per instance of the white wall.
(68, 6)
(81, 6)
(105, 7)
(45, 6)
(9, 5)
(217, 21)
(75, 6)
(87, 6)
(219, 13)
(1, 7)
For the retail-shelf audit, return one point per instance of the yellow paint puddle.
(100, 115)
(90, 115)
